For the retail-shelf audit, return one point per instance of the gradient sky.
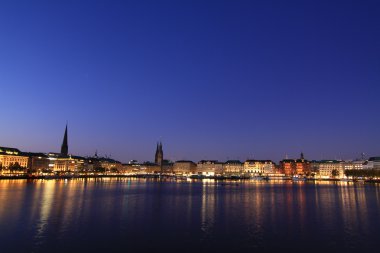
(211, 79)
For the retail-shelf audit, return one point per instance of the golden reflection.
(56, 207)
(208, 207)
(47, 198)
(301, 200)
(12, 195)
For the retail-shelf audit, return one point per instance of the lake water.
(141, 215)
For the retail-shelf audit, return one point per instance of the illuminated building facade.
(327, 168)
(354, 165)
(59, 163)
(288, 167)
(38, 163)
(167, 167)
(233, 167)
(149, 168)
(130, 168)
(184, 167)
(102, 164)
(258, 167)
(11, 158)
(303, 166)
(372, 163)
(209, 168)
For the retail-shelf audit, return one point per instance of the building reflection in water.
(46, 197)
(250, 214)
(208, 208)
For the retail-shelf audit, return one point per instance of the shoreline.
(181, 178)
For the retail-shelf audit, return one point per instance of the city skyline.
(189, 126)
(225, 80)
(158, 157)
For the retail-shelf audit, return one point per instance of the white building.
(372, 163)
(258, 167)
(354, 165)
(209, 168)
(326, 168)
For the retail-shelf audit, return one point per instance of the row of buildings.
(15, 162)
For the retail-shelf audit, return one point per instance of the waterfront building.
(331, 169)
(37, 163)
(110, 165)
(233, 168)
(149, 168)
(102, 164)
(258, 167)
(372, 163)
(12, 161)
(288, 167)
(296, 167)
(167, 167)
(130, 168)
(269, 167)
(209, 168)
(314, 168)
(183, 167)
(61, 164)
(354, 165)
(302, 166)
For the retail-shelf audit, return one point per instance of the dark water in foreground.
(127, 215)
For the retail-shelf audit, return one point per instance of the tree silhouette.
(334, 173)
(16, 167)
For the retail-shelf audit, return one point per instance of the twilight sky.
(211, 79)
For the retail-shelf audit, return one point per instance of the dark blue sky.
(212, 79)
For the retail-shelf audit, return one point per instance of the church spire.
(159, 154)
(65, 147)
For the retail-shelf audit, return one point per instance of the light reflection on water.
(114, 214)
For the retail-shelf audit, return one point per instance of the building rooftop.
(302, 161)
(98, 159)
(184, 161)
(9, 151)
(260, 161)
(33, 154)
(208, 161)
(288, 161)
(328, 161)
(233, 162)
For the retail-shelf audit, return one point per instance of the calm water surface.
(131, 215)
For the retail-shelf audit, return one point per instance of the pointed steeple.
(159, 154)
(302, 156)
(65, 147)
